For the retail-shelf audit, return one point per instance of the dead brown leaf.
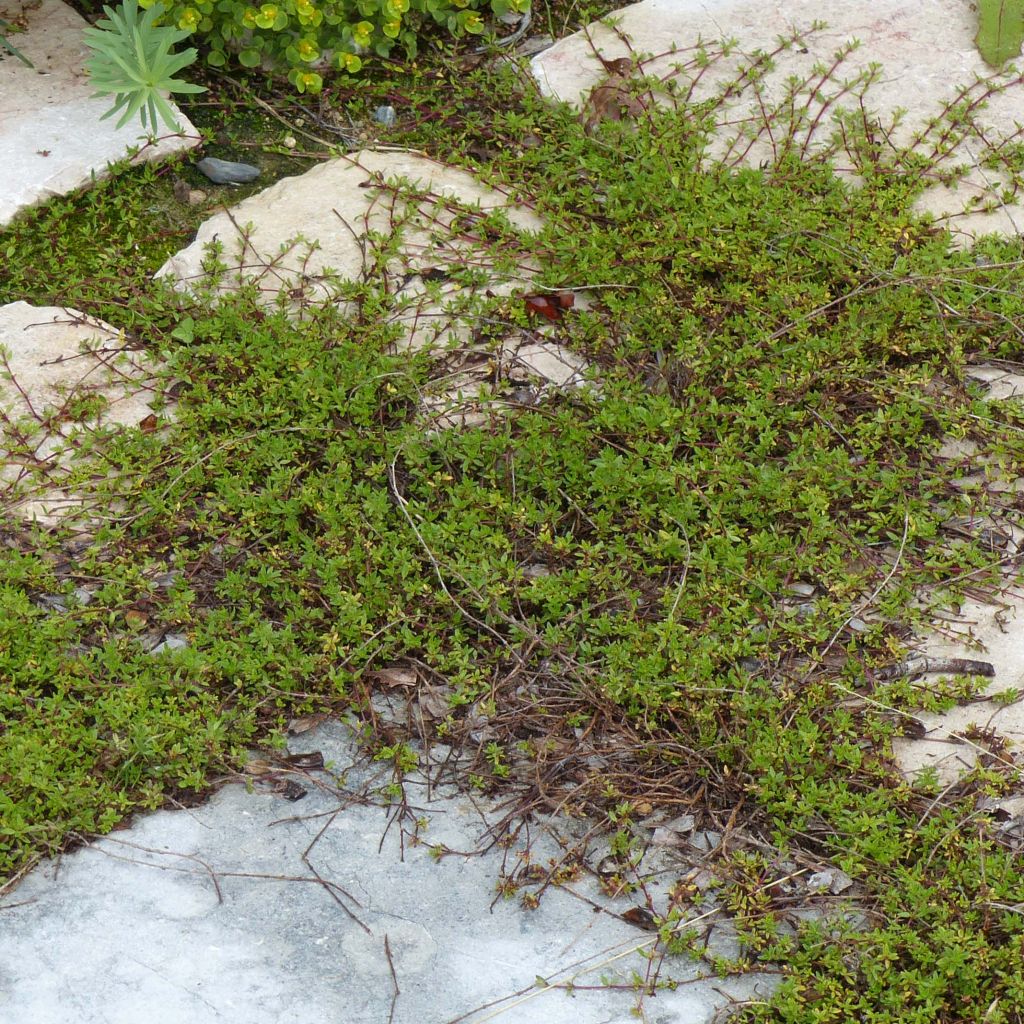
(395, 676)
(614, 99)
(136, 620)
(304, 723)
(312, 761)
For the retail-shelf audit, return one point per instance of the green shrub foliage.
(307, 36)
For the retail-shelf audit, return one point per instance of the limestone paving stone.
(52, 137)
(1000, 383)
(304, 236)
(987, 631)
(918, 56)
(215, 915)
(978, 630)
(63, 377)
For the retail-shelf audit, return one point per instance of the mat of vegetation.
(777, 360)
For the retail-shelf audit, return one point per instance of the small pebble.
(841, 881)
(533, 45)
(820, 881)
(227, 172)
(171, 642)
(705, 842)
(196, 196)
(385, 116)
(700, 878)
(802, 589)
(683, 823)
(289, 142)
(830, 880)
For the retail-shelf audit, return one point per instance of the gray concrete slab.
(254, 909)
(51, 134)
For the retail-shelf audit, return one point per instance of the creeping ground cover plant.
(588, 591)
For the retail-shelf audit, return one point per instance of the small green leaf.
(1000, 30)
(185, 331)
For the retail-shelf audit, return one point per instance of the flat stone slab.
(52, 137)
(405, 223)
(992, 632)
(304, 236)
(256, 908)
(64, 377)
(925, 61)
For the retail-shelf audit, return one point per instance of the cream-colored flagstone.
(954, 740)
(303, 236)
(63, 378)
(350, 219)
(891, 65)
(1001, 383)
(52, 136)
(988, 631)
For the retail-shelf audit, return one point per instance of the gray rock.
(830, 880)
(202, 915)
(802, 589)
(385, 116)
(683, 823)
(227, 172)
(674, 832)
(59, 602)
(171, 642)
(820, 881)
(841, 881)
(666, 837)
(706, 842)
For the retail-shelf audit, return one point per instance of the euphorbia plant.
(133, 61)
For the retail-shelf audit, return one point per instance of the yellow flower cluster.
(302, 37)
